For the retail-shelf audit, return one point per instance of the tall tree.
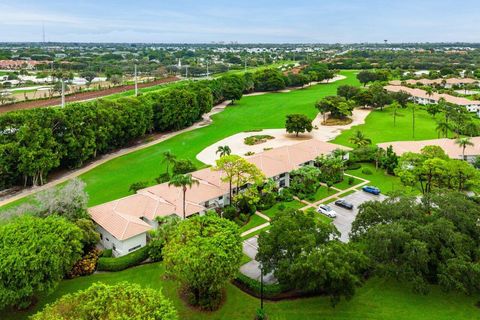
(169, 159)
(238, 171)
(204, 253)
(298, 123)
(183, 181)
(464, 143)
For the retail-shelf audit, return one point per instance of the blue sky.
(245, 21)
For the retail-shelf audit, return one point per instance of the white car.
(327, 210)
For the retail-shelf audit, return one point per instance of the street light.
(261, 287)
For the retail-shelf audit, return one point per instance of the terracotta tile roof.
(419, 93)
(121, 225)
(287, 158)
(448, 145)
(429, 82)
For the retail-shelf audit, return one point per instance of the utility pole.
(63, 93)
(207, 69)
(136, 82)
(186, 72)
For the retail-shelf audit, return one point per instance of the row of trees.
(35, 142)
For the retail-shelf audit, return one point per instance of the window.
(282, 183)
(134, 248)
(220, 198)
(101, 236)
(107, 239)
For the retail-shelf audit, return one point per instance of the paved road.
(345, 217)
(252, 269)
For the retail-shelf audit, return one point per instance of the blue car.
(372, 190)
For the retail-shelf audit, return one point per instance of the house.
(124, 223)
(453, 150)
(420, 96)
(446, 83)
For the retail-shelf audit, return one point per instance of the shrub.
(134, 187)
(367, 171)
(155, 247)
(86, 265)
(354, 166)
(122, 263)
(183, 166)
(281, 207)
(269, 290)
(107, 253)
(249, 153)
(244, 217)
(229, 212)
(351, 180)
(257, 139)
(285, 195)
(260, 314)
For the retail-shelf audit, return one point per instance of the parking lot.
(345, 217)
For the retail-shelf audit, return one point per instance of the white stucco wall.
(122, 247)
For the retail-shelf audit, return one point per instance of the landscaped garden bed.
(257, 139)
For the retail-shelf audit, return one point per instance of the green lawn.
(379, 127)
(342, 185)
(254, 221)
(379, 178)
(111, 180)
(322, 193)
(273, 211)
(378, 299)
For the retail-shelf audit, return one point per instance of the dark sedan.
(344, 204)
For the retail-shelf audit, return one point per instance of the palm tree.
(183, 181)
(443, 127)
(463, 143)
(223, 150)
(359, 139)
(168, 158)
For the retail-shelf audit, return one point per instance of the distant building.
(452, 149)
(19, 64)
(421, 97)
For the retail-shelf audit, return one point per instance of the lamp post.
(261, 287)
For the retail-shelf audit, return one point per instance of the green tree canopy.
(110, 302)
(204, 253)
(35, 254)
(432, 242)
(304, 254)
(298, 123)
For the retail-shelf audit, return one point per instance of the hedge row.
(35, 142)
(253, 287)
(122, 263)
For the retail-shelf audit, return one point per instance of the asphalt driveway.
(345, 217)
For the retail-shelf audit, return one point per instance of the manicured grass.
(342, 185)
(273, 211)
(112, 179)
(254, 221)
(378, 299)
(256, 233)
(379, 178)
(245, 259)
(379, 126)
(322, 193)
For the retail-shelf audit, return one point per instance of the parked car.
(327, 210)
(344, 204)
(372, 190)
